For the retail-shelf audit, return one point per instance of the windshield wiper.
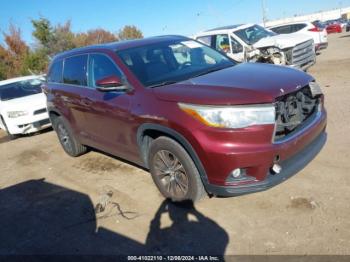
(211, 70)
(163, 83)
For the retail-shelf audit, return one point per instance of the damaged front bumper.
(301, 56)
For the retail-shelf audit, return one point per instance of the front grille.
(303, 53)
(40, 111)
(293, 110)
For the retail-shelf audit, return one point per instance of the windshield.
(253, 34)
(20, 89)
(172, 61)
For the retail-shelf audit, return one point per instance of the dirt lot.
(48, 199)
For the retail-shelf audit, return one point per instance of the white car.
(254, 43)
(23, 105)
(318, 33)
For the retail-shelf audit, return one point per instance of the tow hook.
(276, 169)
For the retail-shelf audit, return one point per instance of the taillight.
(315, 29)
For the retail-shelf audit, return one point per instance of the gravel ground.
(95, 204)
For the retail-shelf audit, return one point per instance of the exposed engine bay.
(270, 55)
(294, 109)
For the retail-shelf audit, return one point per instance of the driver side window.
(100, 66)
(236, 46)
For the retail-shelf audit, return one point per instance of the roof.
(288, 23)
(228, 27)
(18, 79)
(223, 29)
(115, 46)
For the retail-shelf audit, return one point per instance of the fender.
(179, 138)
(51, 109)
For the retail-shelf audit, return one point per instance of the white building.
(325, 15)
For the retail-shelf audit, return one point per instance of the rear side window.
(288, 29)
(285, 29)
(74, 71)
(297, 27)
(55, 74)
(100, 66)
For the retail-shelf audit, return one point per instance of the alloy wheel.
(171, 174)
(63, 135)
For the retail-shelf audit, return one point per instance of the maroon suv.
(200, 123)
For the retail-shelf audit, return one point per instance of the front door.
(107, 114)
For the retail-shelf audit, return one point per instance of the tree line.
(18, 59)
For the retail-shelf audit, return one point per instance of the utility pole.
(263, 12)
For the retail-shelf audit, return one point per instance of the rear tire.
(174, 172)
(69, 143)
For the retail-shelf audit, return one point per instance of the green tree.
(42, 31)
(16, 58)
(55, 39)
(62, 39)
(130, 32)
(36, 62)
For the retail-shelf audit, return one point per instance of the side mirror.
(110, 83)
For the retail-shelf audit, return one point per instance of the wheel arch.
(53, 112)
(148, 132)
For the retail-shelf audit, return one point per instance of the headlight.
(315, 89)
(231, 116)
(15, 114)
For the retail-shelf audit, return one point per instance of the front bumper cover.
(290, 167)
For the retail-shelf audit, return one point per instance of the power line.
(263, 6)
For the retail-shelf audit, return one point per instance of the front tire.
(69, 143)
(174, 172)
(11, 136)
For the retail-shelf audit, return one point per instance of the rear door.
(69, 93)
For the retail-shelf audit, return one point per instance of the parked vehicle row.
(317, 32)
(200, 122)
(23, 106)
(331, 26)
(347, 28)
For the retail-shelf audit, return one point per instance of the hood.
(247, 83)
(25, 103)
(282, 41)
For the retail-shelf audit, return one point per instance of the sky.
(153, 17)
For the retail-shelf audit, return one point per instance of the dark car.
(200, 123)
